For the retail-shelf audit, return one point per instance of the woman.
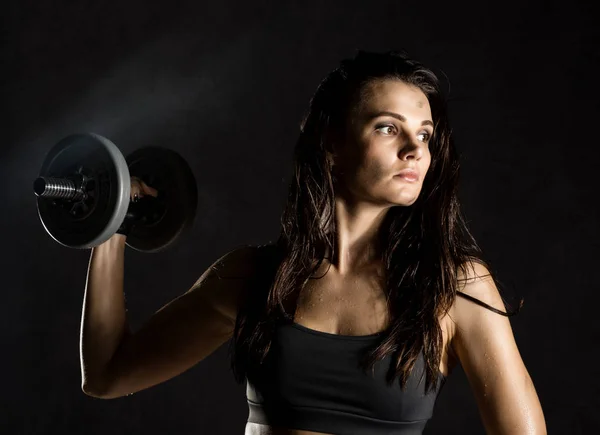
(350, 323)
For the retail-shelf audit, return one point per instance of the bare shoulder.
(476, 294)
(225, 283)
(242, 262)
(477, 311)
(474, 281)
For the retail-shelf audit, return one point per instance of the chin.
(398, 203)
(406, 201)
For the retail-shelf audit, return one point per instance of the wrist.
(117, 240)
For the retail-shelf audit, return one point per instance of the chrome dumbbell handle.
(57, 188)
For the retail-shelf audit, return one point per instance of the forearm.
(103, 320)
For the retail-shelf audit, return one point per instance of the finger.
(135, 192)
(149, 190)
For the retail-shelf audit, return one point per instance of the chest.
(353, 305)
(357, 306)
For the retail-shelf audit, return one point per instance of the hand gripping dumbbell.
(83, 194)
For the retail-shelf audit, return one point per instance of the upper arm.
(184, 331)
(484, 343)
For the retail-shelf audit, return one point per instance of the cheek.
(376, 161)
(374, 171)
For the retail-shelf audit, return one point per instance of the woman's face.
(389, 132)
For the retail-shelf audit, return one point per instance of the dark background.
(225, 84)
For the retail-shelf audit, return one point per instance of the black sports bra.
(311, 380)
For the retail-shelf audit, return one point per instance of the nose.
(411, 149)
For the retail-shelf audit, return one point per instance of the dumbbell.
(83, 193)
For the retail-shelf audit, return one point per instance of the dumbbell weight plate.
(166, 171)
(91, 222)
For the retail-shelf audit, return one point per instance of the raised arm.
(115, 362)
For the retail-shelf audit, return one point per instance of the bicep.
(183, 332)
(487, 350)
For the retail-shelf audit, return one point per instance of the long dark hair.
(423, 246)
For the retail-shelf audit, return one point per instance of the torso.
(349, 305)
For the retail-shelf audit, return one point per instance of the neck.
(352, 255)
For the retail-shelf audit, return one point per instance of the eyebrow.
(398, 117)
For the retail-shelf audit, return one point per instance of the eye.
(426, 134)
(386, 129)
(389, 129)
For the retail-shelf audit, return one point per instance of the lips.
(409, 174)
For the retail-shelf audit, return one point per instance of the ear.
(330, 158)
(332, 141)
